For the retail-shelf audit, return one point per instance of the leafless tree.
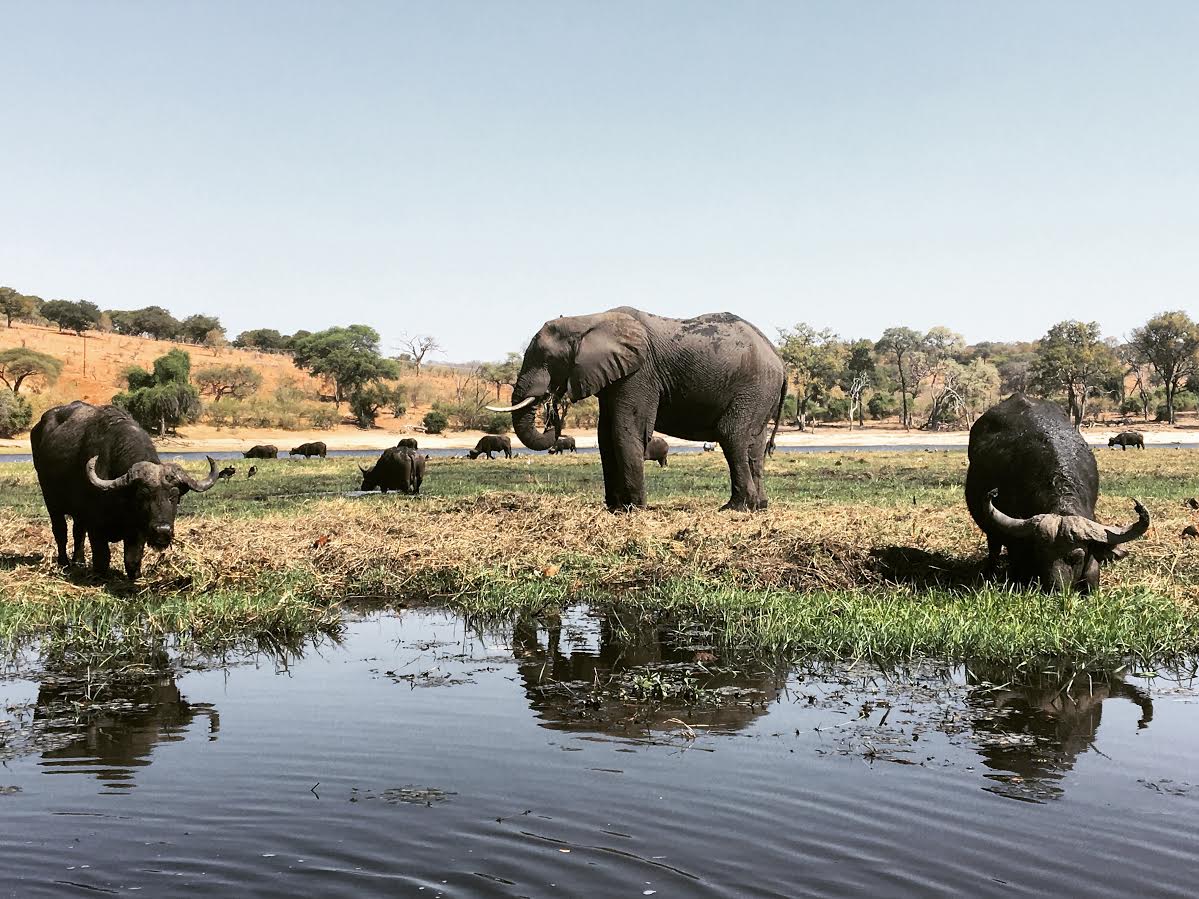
(417, 346)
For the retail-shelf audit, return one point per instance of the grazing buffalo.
(407, 443)
(657, 450)
(97, 465)
(397, 469)
(564, 444)
(262, 451)
(316, 448)
(1032, 486)
(492, 443)
(1125, 439)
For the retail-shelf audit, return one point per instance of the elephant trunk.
(524, 423)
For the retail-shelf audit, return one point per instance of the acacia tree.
(418, 346)
(14, 304)
(1142, 375)
(1169, 342)
(237, 381)
(814, 360)
(904, 346)
(1073, 358)
(164, 398)
(857, 377)
(19, 364)
(500, 373)
(348, 357)
(197, 328)
(72, 315)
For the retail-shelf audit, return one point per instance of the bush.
(1131, 406)
(261, 412)
(15, 414)
(497, 423)
(435, 421)
(836, 409)
(882, 405)
(583, 414)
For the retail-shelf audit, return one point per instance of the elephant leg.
(736, 453)
(58, 524)
(607, 450)
(101, 554)
(629, 428)
(134, 551)
(757, 468)
(80, 535)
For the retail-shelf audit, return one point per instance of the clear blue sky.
(472, 169)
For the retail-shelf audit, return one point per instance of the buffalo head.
(153, 490)
(1065, 551)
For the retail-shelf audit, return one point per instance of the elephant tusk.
(527, 401)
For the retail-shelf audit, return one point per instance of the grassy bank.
(866, 554)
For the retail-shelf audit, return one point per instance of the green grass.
(270, 558)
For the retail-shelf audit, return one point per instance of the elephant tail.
(778, 416)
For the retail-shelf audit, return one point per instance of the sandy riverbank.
(203, 438)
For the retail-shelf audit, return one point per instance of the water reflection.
(631, 679)
(1031, 729)
(111, 729)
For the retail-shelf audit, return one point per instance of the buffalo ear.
(614, 347)
(1107, 554)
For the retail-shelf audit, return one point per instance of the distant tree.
(1143, 380)
(348, 357)
(814, 360)
(1169, 342)
(1073, 359)
(857, 377)
(238, 381)
(368, 400)
(418, 346)
(938, 361)
(500, 373)
(19, 364)
(903, 345)
(261, 339)
(150, 321)
(196, 328)
(15, 414)
(14, 305)
(164, 398)
(72, 315)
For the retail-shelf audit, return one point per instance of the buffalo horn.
(104, 484)
(1116, 536)
(1008, 526)
(192, 483)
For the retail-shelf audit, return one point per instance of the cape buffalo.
(316, 448)
(97, 465)
(397, 469)
(1031, 486)
(407, 443)
(564, 444)
(492, 443)
(1125, 439)
(262, 451)
(657, 450)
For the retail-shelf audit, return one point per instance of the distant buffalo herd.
(1031, 486)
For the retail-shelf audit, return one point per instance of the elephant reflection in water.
(115, 729)
(567, 690)
(1035, 730)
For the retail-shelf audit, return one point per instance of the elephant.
(657, 450)
(712, 378)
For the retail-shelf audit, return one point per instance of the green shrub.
(882, 405)
(497, 423)
(435, 421)
(15, 414)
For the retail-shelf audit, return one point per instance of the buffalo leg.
(134, 551)
(80, 534)
(994, 547)
(101, 554)
(58, 524)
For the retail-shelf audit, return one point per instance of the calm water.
(421, 758)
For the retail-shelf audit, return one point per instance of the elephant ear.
(612, 348)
